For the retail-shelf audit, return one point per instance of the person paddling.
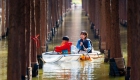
(84, 44)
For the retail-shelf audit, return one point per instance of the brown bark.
(54, 13)
(33, 34)
(43, 22)
(7, 14)
(22, 40)
(57, 10)
(103, 26)
(61, 7)
(97, 12)
(28, 33)
(108, 23)
(15, 48)
(93, 11)
(37, 23)
(89, 8)
(115, 31)
(134, 38)
(49, 16)
(122, 11)
(28, 38)
(3, 18)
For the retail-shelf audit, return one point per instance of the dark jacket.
(86, 44)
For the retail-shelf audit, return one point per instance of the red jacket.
(64, 46)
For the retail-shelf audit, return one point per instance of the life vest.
(85, 43)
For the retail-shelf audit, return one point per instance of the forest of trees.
(32, 23)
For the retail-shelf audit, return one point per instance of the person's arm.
(62, 47)
(78, 44)
(89, 46)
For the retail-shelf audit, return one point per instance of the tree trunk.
(115, 31)
(37, 23)
(134, 38)
(16, 48)
(97, 18)
(7, 17)
(22, 41)
(3, 18)
(103, 27)
(107, 30)
(43, 22)
(33, 34)
(28, 38)
(93, 11)
(122, 11)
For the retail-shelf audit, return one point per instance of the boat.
(53, 56)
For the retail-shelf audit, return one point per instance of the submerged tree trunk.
(7, 17)
(33, 34)
(28, 39)
(3, 18)
(97, 18)
(103, 27)
(22, 40)
(108, 23)
(107, 30)
(134, 38)
(15, 48)
(115, 31)
(43, 19)
(37, 24)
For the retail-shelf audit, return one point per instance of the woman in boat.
(65, 47)
(84, 44)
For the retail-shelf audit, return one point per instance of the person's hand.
(85, 49)
(81, 44)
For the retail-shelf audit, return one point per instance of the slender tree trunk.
(122, 11)
(103, 27)
(89, 8)
(33, 34)
(115, 31)
(93, 11)
(3, 18)
(107, 30)
(43, 22)
(7, 15)
(134, 38)
(22, 41)
(97, 18)
(131, 22)
(37, 23)
(108, 23)
(61, 7)
(28, 39)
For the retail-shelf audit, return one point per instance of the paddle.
(87, 53)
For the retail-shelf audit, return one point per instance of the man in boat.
(65, 47)
(84, 44)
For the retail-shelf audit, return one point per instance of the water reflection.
(74, 70)
(73, 24)
(3, 59)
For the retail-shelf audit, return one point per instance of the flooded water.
(3, 59)
(72, 25)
